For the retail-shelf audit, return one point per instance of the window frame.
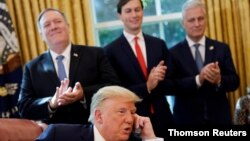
(158, 18)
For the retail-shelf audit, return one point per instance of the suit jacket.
(207, 104)
(88, 65)
(131, 76)
(71, 132)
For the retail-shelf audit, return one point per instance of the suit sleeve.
(30, 106)
(229, 77)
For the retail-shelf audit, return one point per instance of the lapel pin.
(211, 47)
(75, 54)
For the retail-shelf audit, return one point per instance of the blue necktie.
(61, 68)
(198, 59)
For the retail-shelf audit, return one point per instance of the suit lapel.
(48, 67)
(209, 53)
(126, 48)
(74, 61)
(188, 58)
(150, 52)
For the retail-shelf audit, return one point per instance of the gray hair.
(191, 4)
(45, 11)
(110, 92)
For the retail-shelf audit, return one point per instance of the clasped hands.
(65, 95)
(211, 73)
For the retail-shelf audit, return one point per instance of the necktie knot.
(60, 58)
(196, 46)
(61, 68)
(136, 38)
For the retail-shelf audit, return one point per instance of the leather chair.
(20, 129)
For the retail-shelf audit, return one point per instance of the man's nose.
(197, 22)
(134, 13)
(53, 25)
(130, 118)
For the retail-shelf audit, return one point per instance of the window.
(161, 19)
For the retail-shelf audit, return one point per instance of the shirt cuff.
(197, 80)
(51, 111)
(84, 102)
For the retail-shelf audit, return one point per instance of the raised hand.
(156, 75)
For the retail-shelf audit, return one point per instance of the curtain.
(228, 21)
(25, 12)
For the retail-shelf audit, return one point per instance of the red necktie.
(140, 58)
(142, 64)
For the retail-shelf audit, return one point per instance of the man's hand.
(66, 95)
(71, 95)
(144, 124)
(156, 75)
(59, 91)
(211, 73)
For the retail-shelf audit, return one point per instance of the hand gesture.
(66, 95)
(211, 73)
(144, 125)
(156, 75)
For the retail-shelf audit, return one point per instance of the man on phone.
(113, 117)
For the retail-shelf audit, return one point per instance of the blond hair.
(110, 92)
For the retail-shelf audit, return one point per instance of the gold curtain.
(24, 14)
(228, 21)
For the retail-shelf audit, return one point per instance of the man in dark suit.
(113, 118)
(142, 78)
(201, 97)
(82, 72)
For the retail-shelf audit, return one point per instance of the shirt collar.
(131, 37)
(191, 42)
(97, 135)
(66, 53)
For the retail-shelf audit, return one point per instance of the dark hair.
(121, 3)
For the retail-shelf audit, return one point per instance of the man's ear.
(41, 34)
(98, 116)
